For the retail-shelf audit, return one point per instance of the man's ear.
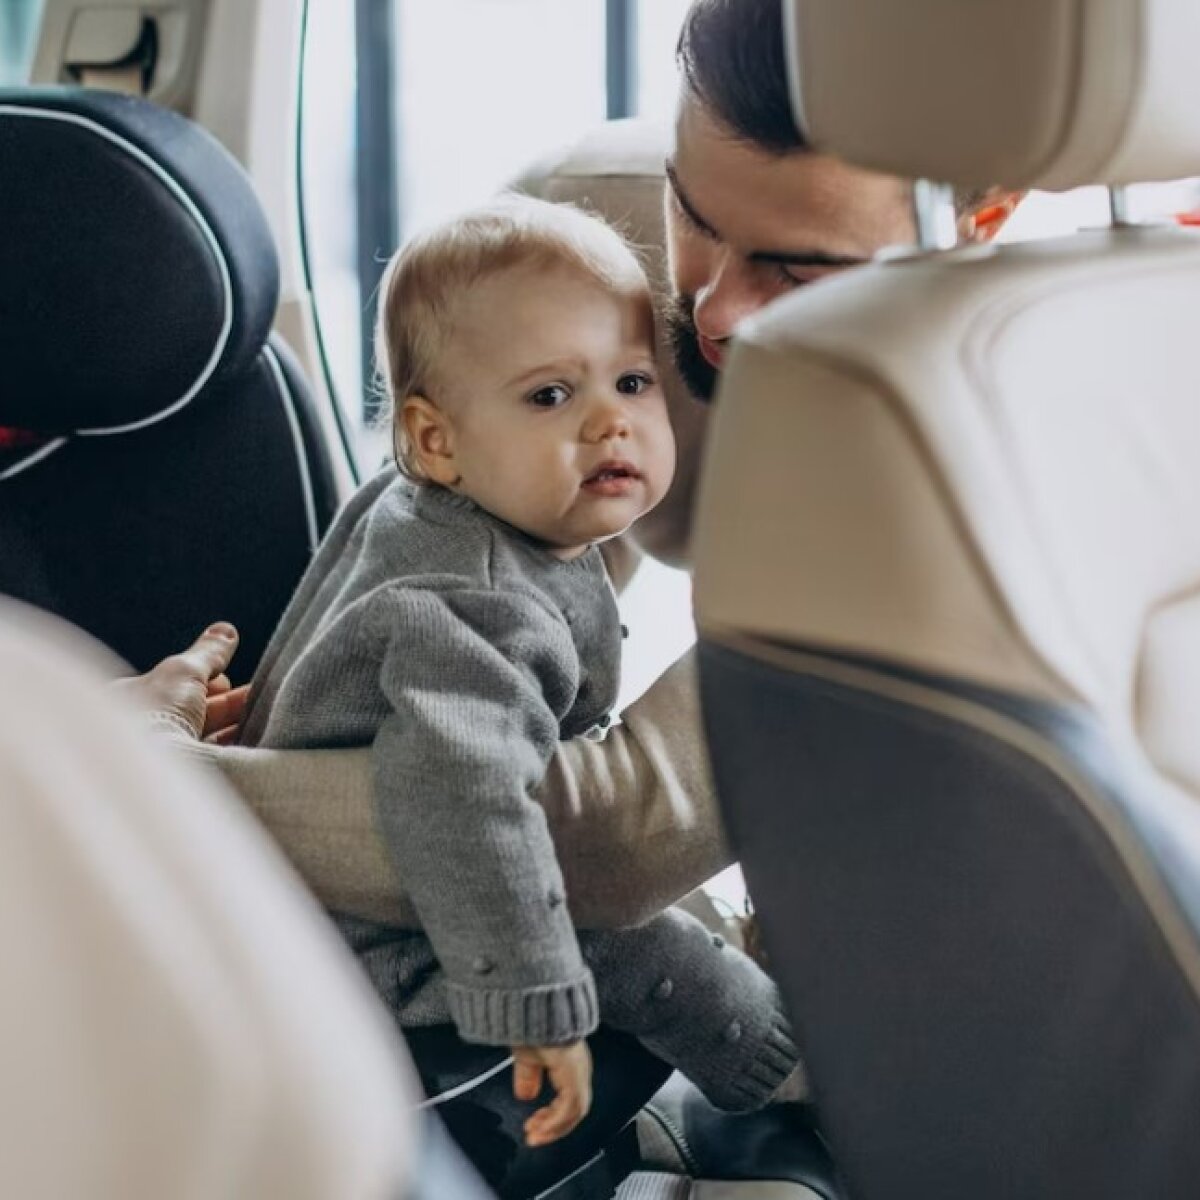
(430, 434)
(987, 216)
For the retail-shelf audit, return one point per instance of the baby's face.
(558, 421)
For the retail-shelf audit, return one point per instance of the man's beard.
(698, 373)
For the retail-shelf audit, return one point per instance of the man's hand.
(192, 688)
(570, 1072)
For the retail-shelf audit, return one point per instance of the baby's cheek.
(547, 489)
(666, 467)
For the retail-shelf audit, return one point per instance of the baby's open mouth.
(612, 478)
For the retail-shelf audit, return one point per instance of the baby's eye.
(553, 395)
(634, 383)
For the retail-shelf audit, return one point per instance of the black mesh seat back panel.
(136, 261)
(988, 1004)
(104, 280)
(144, 538)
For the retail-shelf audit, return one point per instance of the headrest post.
(1119, 209)
(933, 207)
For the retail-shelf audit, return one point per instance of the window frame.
(380, 219)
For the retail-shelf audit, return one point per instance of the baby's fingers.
(527, 1080)
(558, 1118)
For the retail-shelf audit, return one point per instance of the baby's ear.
(430, 436)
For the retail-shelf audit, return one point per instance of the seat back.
(948, 589)
(161, 460)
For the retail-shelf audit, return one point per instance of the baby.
(459, 619)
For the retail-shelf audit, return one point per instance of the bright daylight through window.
(468, 94)
(413, 109)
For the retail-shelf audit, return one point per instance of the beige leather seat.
(948, 588)
(177, 1017)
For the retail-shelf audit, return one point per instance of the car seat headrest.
(1049, 94)
(136, 264)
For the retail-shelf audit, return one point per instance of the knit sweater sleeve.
(478, 681)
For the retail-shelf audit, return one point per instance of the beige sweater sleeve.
(634, 817)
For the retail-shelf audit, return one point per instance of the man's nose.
(607, 419)
(729, 295)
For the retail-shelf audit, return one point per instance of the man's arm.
(634, 818)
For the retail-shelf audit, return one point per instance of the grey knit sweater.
(463, 652)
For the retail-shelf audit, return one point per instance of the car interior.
(946, 544)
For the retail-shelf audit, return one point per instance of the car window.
(19, 22)
(412, 110)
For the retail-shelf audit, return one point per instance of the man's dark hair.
(731, 56)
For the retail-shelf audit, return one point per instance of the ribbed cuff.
(541, 1016)
(768, 1067)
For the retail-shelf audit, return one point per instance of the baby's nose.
(608, 418)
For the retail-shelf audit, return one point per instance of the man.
(751, 212)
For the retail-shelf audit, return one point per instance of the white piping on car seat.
(35, 456)
(17, 110)
(462, 1088)
(289, 405)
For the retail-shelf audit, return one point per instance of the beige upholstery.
(1029, 93)
(178, 1017)
(983, 465)
(617, 171)
(948, 595)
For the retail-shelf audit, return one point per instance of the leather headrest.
(136, 264)
(617, 171)
(1049, 94)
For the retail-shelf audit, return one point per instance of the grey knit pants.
(692, 1000)
(697, 1003)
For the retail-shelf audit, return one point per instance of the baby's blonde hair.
(424, 280)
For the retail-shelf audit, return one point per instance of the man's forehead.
(768, 204)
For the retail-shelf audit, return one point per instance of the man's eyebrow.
(784, 258)
(684, 203)
(806, 258)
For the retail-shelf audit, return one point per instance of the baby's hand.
(570, 1071)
